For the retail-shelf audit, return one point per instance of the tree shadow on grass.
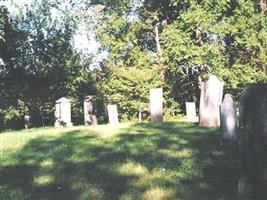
(145, 161)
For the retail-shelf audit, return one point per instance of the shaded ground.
(144, 161)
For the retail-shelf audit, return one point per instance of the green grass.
(174, 160)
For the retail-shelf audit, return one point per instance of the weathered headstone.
(191, 111)
(253, 142)
(228, 120)
(113, 114)
(156, 104)
(27, 121)
(63, 112)
(90, 110)
(210, 100)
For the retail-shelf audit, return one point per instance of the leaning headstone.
(156, 104)
(113, 114)
(228, 118)
(210, 100)
(253, 142)
(90, 110)
(63, 112)
(191, 111)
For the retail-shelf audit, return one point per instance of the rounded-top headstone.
(228, 118)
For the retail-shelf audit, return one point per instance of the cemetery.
(126, 100)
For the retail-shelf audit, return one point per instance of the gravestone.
(228, 118)
(253, 142)
(113, 114)
(156, 104)
(63, 113)
(210, 100)
(90, 110)
(191, 111)
(27, 121)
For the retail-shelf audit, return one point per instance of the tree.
(39, 63)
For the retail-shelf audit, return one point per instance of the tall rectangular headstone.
(90, 110)
(63, 113)
(156, 104)
(253, 142)
(228, 120)
(191, 111)
(113, 114)
(210, 100)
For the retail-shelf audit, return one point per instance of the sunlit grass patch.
(132, 169)
(90, 191)
(43, 180)
(48, 163)
(182, 153)
(158, 193)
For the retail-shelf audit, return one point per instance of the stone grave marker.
(90, 110)
(253, 142)
(156, 104)
(63, 113)
(191, 111)
(228, 118)
(113, 114)
(210, 100)
(27, 121)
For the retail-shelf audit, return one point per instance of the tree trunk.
(262, 7)
(159, 50)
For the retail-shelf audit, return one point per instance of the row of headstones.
(213, 112)
(63, 110)
(251, 132)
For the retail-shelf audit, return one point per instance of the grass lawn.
(174, 160)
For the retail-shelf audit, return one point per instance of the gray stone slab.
(90, 110)
(63, 113)
(113, 114)
(191, 114)
(228, 120)
(210, 101)
(253, 142)
(156, 104)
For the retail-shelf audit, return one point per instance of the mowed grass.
(174, 160)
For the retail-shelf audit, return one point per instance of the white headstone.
(191, 111)
(113, 114)
(27, 121)
(210, 101)
(228, 118)
(90, 111)
(156, 104)
(63, 112)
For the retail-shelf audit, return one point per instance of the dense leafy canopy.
(173, 44)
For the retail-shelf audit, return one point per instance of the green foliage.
(2, 15)
(197, 38)
(40, 64)
(13, 116)
(129, 88)
(232, 45)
